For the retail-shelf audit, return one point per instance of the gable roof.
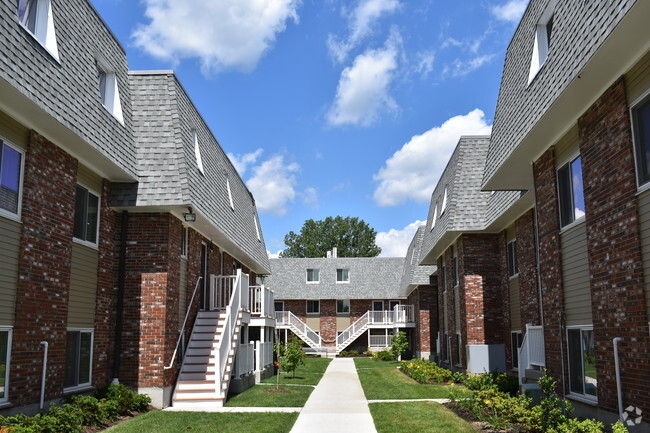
(370, 278)
(415, 274)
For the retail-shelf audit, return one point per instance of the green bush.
(425, 371)
(458, 377)
(618, 427)
(349, 353)
(127, 400)
(499, 381)
(399, 345)
(384, 355)
(91, 409)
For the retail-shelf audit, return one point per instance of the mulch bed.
(107, 424)
(481, 426)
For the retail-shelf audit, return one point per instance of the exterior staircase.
(288, 320)
(206, 371)
(354, 331)
(399, 316)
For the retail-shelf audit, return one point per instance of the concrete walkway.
(337, 404)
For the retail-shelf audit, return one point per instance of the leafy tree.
(400, 344)
(293, 356)
(351, 236)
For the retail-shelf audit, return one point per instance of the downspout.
(121, 284)
(617, 366)
(45, 347)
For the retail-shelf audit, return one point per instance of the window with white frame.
(444, 201)
(36, 17)
(313, 307)
(570, 189)
(184, 241)
(513, 265)
(377, 305)
(78, 358)
(641, 133)
(278, 305)
(543, 41)
(313, 276)
(515, 342)
(109, 91)
(459, 349)
(86, 215)
(5, 355)
(11, 168)
(435, 215)
(257, 228)
(583, 377)
(342, 275)
(232, 204)
(199, 160)
(392, 304)
(343, 306)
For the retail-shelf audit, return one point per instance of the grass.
(262, 396)
(372, 363)
(390, 383)
(421, 417)
(198, 422)
(308, 374)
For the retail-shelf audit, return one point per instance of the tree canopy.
(351, 236)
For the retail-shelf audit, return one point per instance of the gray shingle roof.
(164, 120)
(370, 278)
(579, 29)
(414, 274)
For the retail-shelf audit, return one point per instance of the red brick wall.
(425, 304)
(614, 249)
(359, 307)
(44, 270)
(328, 321)
(505, 297)
(527, 259)
(297, 307)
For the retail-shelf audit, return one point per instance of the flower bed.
(425, 372)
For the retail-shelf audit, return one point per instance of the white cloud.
(222, 34)
(241, 162)
(310, 197)
(460, 68)
(425, 63)
(510, 11)
(363, 90)
(273, 185)
(412, 172)
(275, 255)
(360, 22)
(395, 243)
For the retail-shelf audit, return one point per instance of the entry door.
(203, 273)
(377, 305)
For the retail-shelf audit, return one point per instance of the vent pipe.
(334, 252)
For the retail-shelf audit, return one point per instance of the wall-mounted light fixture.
(189, 216)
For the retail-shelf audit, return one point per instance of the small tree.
(400, 344)
(278, 348)
(293, 356)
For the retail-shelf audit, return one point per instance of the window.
(184, 241)
(313, 276)
(78, 358)
(313, 307)
(513, 265)
(5, 349)
(342, 275)
(36, 17)
(443, 278)
(515, 341)
(11, 167)
(257, 228)
(279, 305)
(459, 350)
(444, 201)
(582, 362)
(377, 305)
(86, 215)
(232, 204)
(199, 160)
(392, 305)
(109, 91)
(543, 41)
(572, 202)
(641, 131)
(343, 306)
(435, 215)
(454, 270)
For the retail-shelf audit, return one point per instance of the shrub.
(496, 407)
(91, 410)
(618, 427)
(293, 356)
(425, 371)
(399, 345)
(458, 377)
(127, 400)
(500, 381)
(384, 355)
(348, 353)
(110, 409)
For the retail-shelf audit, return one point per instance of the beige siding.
(637, 80)
(13, 131)
(575, 276)
(644, 216)
(313, 322)
(515, 306)
(182, 292)
(9, 247)
(89, 179)
(567, 146)
(342, 323)
(83, 286)
(457, 309)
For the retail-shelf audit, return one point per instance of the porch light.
(189, 216)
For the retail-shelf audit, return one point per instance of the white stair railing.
(227, 345)
(221, 287)
(300, 328)
(532, 352)
(263, 355)
(357, 328)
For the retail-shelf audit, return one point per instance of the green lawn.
(418, 416)
(263, 396)
(199, 422)
(372, 363)
(308, 374)
(391, 383)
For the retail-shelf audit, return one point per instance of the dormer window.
(197, 152)
(257, 229)
(435, 216)
(313, 276)
(444, 201)
(36, 17)
(109, 91)
(543, 41)
(232, 204)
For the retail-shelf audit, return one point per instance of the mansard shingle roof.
(415, 274)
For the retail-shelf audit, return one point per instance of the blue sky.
(330, 107)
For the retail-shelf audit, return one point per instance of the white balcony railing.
(221, 291)
(263, 355)
(261, 301)
(382, 317)
(381, 340)
(531, 353)
(245, 359)
(404, 314)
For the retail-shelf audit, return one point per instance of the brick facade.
(328, 321)
(527, 260)
(425, 305)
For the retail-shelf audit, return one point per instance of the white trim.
(435, 216)
(586, 398)
(342, 313)
(342, 281)
(314, 313)
(444, 201)
(85, 385)
(257, 229)
(569, 161)
(111, 98)
(5, 213)
(644, 98)
(44, 32)
(382, 305)
(197, 153)
(572, 225)
(9, 330)
(541, 49)
(94, 245)
(307, 276)
(232, 204)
